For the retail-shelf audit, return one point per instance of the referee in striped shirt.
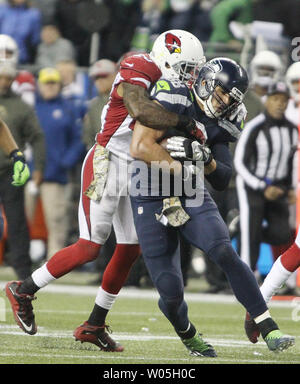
(264, 161)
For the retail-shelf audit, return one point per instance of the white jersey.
(292, 112)
(116, 123)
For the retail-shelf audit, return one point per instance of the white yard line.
(116, 358)
(143, 294)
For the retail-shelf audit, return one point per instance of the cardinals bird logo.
(173, 43)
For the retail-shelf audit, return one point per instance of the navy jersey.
(177, 97)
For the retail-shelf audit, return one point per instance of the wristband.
(16, 155)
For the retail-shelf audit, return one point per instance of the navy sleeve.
(220, 178)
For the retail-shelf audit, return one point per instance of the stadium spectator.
(117, 36)
(23, 23)
(47, 9)
(25, 128)
(149, 25)
(76, 88)
(66, 16)
(264, 166)
(53, 48)
(63, 150)
(225, 12)
(103, 73)
(76, 84)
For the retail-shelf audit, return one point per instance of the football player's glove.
(21, 171)
(234, 124)
(197, 130)
(181, 147)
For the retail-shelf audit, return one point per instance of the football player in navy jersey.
(216, 101)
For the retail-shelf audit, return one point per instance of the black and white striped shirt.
(264, 153)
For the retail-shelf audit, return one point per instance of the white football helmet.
(265, 68)
(179, 55)
(292, 79)
(9, 52)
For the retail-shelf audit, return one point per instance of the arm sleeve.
(35, 137)
(220, 178)
(139, 70)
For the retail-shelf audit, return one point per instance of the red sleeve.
(139, 70)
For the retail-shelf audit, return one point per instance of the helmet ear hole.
(167, 65)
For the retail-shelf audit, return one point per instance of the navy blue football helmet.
(228, 75)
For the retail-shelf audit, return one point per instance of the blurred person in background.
(24, 82)
(76, 84)
(21, 171)
(63, 151)
(117, 36)
(292, 79)
(66, 16)
(22, 22)
(103, 73)
(24, 125)
(47, 9)
(223, 13)
(53, 47)
(76, 89)
(265, 67)
(264, 164)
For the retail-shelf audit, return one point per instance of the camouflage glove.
(21, 171)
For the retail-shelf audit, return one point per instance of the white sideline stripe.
(131, 337)
(133, 293)
(111, 357)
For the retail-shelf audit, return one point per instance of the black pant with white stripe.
(254, 209)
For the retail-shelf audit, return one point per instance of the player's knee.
(223, 255)
(170, 288)
(86, 250)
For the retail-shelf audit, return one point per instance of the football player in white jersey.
(176, 54)
(24, 82)
(265, 68)
(292, 79)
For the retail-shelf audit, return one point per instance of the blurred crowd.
(47, 53)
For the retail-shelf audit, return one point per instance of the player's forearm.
(151, 114)
(154, 155)
(7, 141)
(144, 146)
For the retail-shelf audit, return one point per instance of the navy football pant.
(205, 230)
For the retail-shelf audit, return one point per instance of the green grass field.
(141, 328)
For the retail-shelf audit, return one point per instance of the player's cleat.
(251, 329)
(277, 341)
(21, 307)
(198, 347)
(98, 336)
